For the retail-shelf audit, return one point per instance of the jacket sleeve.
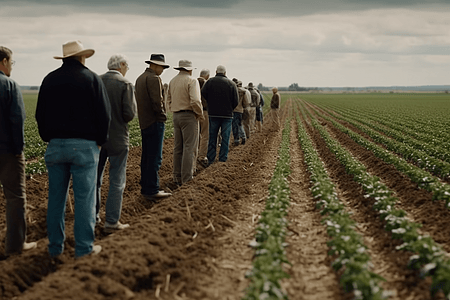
(194, 96)
(234, 95)
(17, 119)
(155, 94)
(40, 113)
(102, 108)
(129, 106)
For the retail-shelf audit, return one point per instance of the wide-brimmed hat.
(74, 48)
(185, 64)
(250, 85)
(157, 59)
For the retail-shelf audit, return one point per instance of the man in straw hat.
(12, 159)
(73, 115)
(222, 97)
(185, 103)
(152, 117)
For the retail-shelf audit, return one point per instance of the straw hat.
(184, 64)
(157, 59)
(74, 48)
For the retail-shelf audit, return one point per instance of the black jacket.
(73, 103)
(221, 95)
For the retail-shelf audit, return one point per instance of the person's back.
(72, 107)
(73, 114)
(221, 96)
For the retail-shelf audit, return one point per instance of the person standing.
(253, 105)
(123, 110)
(152, 117)
(184, 101)
(73, 115)
(238, 129)
(275, 109)
(246, 113)
(204, 124)
(259, 111)
(222, 98)
(12, 159)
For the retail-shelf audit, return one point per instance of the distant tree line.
(292, 87)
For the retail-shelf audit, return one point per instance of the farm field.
(349, 201)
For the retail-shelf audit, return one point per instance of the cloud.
(325, 48)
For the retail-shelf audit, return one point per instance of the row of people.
(84, 119)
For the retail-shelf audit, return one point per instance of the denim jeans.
(12, 178)
(238, 129)
(185, 129)
(117, 181)
(76, 158)
(151, 159)
(224, 124)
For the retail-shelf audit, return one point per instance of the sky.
(314, 43)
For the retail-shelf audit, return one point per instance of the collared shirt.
(150, 99)
(244, 100)
(123, 110)
(184, 94)
(12, 116)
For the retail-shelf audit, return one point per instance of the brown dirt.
(194, 245)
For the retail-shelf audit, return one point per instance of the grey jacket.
(123, 110)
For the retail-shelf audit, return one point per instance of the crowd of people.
(84, 119)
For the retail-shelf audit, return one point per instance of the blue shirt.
(12, 116)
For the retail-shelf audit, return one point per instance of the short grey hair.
(204, 72)
(221, 69)
(115, 61)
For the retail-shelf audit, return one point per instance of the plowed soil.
(195, 244)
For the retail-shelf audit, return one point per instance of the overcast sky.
(315, 43)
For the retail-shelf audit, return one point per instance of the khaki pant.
(275, 118)
(12, 177)
(185, 127)
(246, 125)
(252, 111)
(204, 136)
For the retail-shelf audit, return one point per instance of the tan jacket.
(184, 94)
(244, 100)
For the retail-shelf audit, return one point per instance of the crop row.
(353, 261)
(425, 180)
(419, 140)
(428, 256)
(421, 158)
(426, 123)
(269, 243)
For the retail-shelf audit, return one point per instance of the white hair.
(221, 69)
(204, 72)
(115, 61)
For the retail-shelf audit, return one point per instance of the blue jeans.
(76, 158)
(224, 124)
(238, 129)
(151, 159)
(117, 181)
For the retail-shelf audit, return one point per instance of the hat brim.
(184, 68)
(87, 52)
(157, 62)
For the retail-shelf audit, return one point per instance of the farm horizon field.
(351, 200)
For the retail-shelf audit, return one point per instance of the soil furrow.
(388, 262)
(311, 276)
